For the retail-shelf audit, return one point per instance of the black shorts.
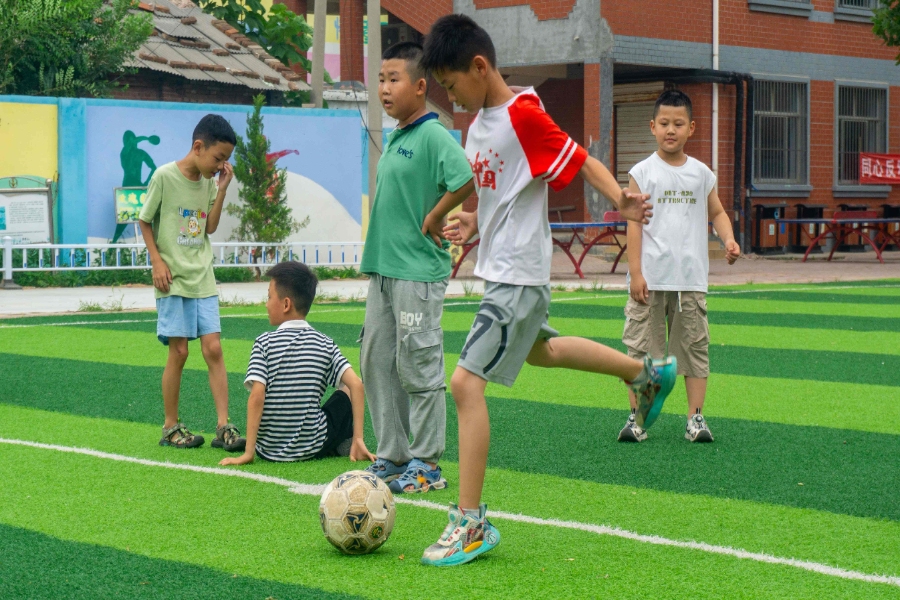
(339, 418)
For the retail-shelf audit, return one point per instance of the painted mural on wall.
(127, 141)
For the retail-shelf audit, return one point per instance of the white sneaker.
(697, 431)
(632, 432)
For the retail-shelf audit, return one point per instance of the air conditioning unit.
(396, 33)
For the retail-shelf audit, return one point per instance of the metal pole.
(8, 283)
(374, 118)
(318, 61)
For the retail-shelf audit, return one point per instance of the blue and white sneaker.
(464, 539)
(418, 478)
(386, 470)
(652, 387)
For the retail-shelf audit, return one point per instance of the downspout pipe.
(715, 90)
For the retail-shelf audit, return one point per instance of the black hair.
(452, 43)
(411, 52)
(675, 98)
(296, 281)
(212, 129)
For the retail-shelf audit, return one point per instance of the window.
(866, 4)
(780, 132)
(861, 127)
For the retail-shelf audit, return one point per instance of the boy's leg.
(387, 400)
(474, 435)
(696, 393)
(171, 379)
(211, 346)
(689, 340)
(581, 354)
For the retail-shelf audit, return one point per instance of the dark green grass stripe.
(35, 565)
(750, 460)
(823, 296)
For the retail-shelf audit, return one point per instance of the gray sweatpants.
(402, 364)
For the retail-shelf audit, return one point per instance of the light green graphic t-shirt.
(178, 208)
(420, 163)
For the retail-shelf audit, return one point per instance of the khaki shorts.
(682, 320)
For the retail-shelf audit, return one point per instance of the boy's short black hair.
(452, 43)
(675, 98)
(296, 281)
(212, 129)
(411, 52)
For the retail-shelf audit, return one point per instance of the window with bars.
(861, 127)
(870, 4)
(780, 132)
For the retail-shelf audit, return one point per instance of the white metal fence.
(93, 257)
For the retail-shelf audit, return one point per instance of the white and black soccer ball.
(357, 512)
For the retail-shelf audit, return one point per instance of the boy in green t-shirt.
(182, 208)
(422, 175)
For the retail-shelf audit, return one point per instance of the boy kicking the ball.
(288, 373)
(668, 261)
(422, 175)
(183, 207)
(516, 151)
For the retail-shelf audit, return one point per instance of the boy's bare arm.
(632, 206)
(634, 238)
(462, 228)
(215, 213)
(434, 221)
(162, 277)
(254, 416)
(722, 225)
(358, 450)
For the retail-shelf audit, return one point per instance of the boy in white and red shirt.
(516, 151)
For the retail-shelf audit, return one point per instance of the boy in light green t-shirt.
(182, 208)
(422, 175)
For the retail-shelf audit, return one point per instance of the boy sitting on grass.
(289, 371)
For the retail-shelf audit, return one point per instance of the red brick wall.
(564, 101)
(543, 9)
(155, 86)
(591, 101)
(420, 15)
(352, 61)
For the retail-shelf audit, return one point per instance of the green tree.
(264, 215)
(67, 47)
(886, 22)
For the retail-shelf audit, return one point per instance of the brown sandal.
(178, 436)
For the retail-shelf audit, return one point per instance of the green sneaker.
(652, 387)
(464, 539)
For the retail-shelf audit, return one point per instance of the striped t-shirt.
(295, 363)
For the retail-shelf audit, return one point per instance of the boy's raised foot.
(632, 432)
(464, 539)
(652, 387)
(386, 470)
(697, 430)
(178, 436)
(418, 477)
(229, 438)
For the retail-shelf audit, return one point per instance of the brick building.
(815, 87)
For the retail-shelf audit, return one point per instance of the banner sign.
(25, 215)
(129, 202)
(879, 168)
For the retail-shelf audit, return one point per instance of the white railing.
(94, 257)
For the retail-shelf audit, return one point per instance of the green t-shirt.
(420, 163)
(178, 208)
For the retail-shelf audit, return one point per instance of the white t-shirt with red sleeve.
(516, 151)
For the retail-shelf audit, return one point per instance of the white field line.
(306, 489)
(472, 303)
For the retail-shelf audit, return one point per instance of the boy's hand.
(358, 451)
(434, 229)
(639, 291)
(225, 175)
(732, 251)
(634, 207)
(462, 228)
(244, 459)
(162, 277)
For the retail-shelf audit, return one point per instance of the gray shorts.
(509, 321)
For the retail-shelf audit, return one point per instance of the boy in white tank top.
(668, 260)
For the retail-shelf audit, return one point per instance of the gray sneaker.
(696, 430)
(632, 432)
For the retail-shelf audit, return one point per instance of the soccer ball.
(356, 512)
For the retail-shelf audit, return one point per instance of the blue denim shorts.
(186, 317)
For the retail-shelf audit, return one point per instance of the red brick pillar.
(298, 7)
(353, 65)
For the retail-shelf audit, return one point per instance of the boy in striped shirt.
(516, 151)
(289, 371)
